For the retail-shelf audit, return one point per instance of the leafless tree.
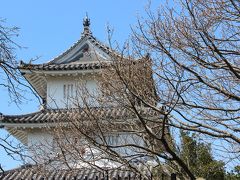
(12, 81)
(10, 76)
(190, 82)
(194, 46)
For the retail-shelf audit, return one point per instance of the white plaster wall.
(42, 147)
(82, 86)
(40, 143)
(123, 138)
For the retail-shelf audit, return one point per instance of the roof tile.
(60, 67)
(62, 115)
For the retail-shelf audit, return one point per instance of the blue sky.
(47, 28)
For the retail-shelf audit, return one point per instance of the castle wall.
(40, 143)
(69, 92)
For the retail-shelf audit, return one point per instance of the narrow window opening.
(64, 91)
(68, 91)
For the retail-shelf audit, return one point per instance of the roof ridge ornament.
(86, 26)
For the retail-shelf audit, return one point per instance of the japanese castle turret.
(56, 82)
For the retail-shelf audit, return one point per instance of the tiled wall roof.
(80, 174)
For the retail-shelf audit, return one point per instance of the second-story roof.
(64, 115)
(47, 118)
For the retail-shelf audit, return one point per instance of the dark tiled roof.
(61, 115)
(78, 174)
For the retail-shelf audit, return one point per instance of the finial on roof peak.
(86, 25)
(86, 21)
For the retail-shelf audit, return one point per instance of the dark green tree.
(234, 174)
(197, 155)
